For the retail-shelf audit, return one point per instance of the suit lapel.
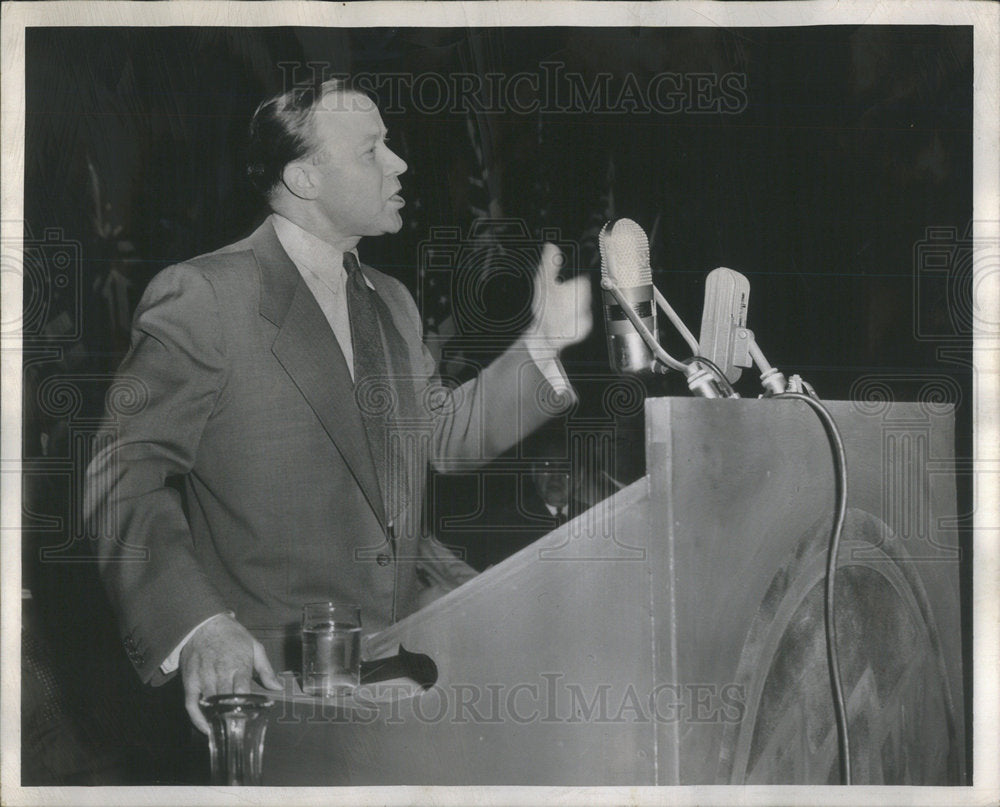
(308, 350)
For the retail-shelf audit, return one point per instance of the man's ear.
(300, 179)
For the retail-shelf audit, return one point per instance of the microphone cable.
(833, 550)
(832, 656)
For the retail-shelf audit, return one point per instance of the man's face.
(358, 172)
(552, 483)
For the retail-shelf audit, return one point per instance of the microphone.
(630, 301)
(625, 264)
(724, 339)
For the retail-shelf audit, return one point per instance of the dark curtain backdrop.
(853, 143)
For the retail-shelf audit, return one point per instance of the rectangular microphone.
(724, 338)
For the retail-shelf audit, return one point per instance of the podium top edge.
(870, 407)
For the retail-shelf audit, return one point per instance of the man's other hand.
(221, 658)
(561, 314)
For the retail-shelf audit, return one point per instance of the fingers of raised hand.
(579, 287)
(550, 263)
(563, 314)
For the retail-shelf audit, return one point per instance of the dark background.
(854, 142)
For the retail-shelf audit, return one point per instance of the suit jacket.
(233, 472)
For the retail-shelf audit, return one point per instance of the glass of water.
(236, 741)
(331, 648)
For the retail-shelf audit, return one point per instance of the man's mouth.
(397, 198)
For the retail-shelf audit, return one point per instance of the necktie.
(374, 385)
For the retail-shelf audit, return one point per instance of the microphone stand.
(771, 378)
(702, 376)
(678, 323)
(700, 380)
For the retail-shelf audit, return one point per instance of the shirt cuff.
(171, 662)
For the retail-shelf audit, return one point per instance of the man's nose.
(394, 164)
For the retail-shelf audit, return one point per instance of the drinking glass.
(331, 648)
(236, 740)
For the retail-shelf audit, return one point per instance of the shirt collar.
(312, 254)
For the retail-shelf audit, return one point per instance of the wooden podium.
(673, 634)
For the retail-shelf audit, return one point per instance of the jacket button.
(382, 559)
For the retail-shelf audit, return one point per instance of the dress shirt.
(322, 268)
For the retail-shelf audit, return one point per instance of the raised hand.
(561, 314)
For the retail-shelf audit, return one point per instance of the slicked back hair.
(281, 130)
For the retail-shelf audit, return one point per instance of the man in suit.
(284, 411)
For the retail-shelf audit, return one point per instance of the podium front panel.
(747, 519)
(673, 634)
